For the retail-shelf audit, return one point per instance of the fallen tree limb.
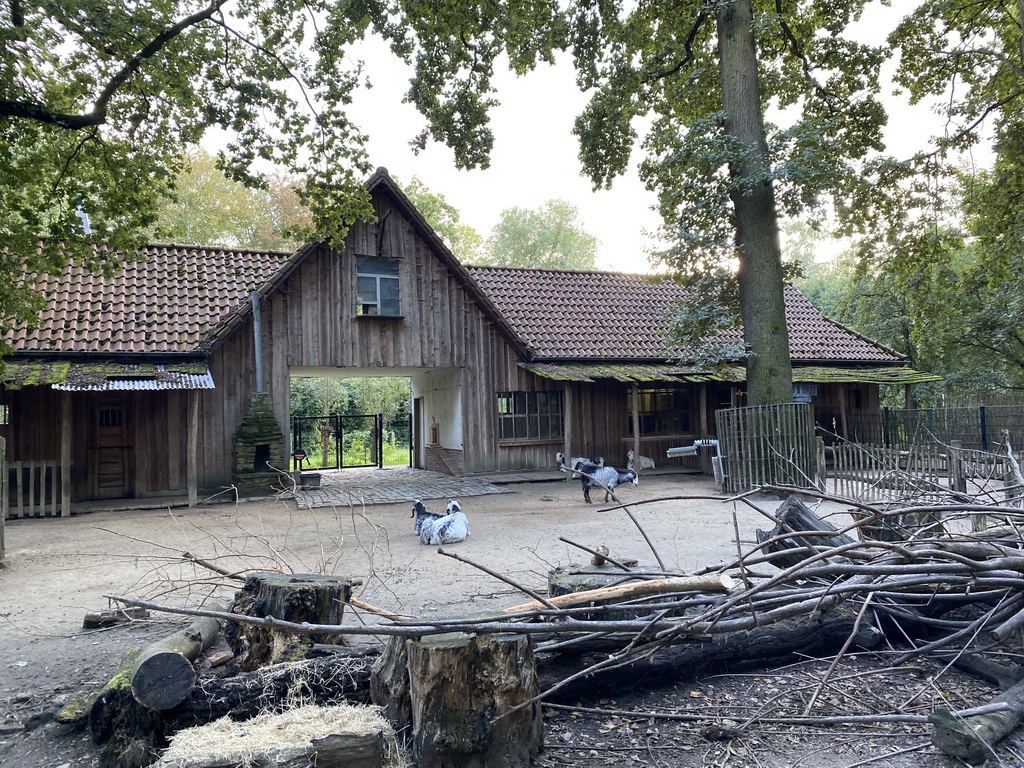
(973, 738)
(718, 583)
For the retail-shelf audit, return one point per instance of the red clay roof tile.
(167, 302)
(607, 315)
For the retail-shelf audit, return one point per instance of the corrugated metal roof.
(107, 376)
(589, 372)
(165, 380)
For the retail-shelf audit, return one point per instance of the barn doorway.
(346, 422)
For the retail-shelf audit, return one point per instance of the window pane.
(366, 290)
(371, 265)
(389, 302)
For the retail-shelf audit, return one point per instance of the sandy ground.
(59, 569)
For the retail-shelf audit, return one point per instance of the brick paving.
(388, 486)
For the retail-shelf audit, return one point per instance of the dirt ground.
(58, 569)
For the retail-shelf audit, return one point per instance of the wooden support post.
(636, 421)
(567, 423)
(3, 494)
(844, 392)
(66, 430)
(192, 456)
(702, 399)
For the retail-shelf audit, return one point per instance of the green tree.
(463, 241)
(705, 72)
(209, 208)
(547, 237)
(99, 103)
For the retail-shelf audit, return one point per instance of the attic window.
(377, 287)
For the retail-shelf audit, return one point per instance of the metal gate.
(340, 442)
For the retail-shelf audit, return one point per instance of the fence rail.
(34, 489)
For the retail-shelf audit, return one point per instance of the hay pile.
(227, 742)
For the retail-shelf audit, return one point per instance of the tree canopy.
(99, 105)
(546, 237)
(465, 242)
(211, 209)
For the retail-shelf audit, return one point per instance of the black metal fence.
(339, 442)
(981, 428)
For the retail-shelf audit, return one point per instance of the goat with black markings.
(449, 528)
(609, 477)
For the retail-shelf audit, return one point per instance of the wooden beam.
(567, 423)
(66, 429)
(702, 400)
(192, 456)
(636, 421)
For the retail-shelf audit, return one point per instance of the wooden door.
(110, 449)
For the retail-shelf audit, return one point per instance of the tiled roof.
(171, 300)
(562, 315)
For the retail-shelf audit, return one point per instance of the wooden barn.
(173, 376)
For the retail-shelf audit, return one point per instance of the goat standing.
(609, 477)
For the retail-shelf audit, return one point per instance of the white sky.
(535, 154)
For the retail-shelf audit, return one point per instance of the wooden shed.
(173, 376)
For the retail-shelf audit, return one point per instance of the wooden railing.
(33, 488)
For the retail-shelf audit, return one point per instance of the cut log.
(123, 727)
(795, 516)
(163, 674)
(334, 751)
(104, 619)
(972, 738)
(708, 583)
(311, 598)
(461, 688)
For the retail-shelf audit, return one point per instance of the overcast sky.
(535, 154)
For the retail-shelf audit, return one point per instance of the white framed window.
(377, 290)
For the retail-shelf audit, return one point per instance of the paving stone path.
(387, 486)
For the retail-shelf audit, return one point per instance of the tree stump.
(296, 597)
(796, 517)
(459, 688)
(389, 686)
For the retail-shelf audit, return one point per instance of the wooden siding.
(154, 442)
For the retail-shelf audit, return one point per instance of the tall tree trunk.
(769, 373)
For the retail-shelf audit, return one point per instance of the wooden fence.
(768, 445)
(33, 488)
(873, 473)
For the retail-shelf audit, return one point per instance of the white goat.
(576, 462)
(445, 529)
(641, 462)
(606, 476)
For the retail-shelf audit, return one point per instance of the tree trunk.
(751, 649)
(312, 598)
(795, 516)
(762, 304)
(128, 732)
(460, 688)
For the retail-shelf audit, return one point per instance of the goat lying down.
(432, 528)
(606, 476)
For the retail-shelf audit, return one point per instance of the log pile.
(805, 587)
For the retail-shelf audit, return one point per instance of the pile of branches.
(943, 577)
